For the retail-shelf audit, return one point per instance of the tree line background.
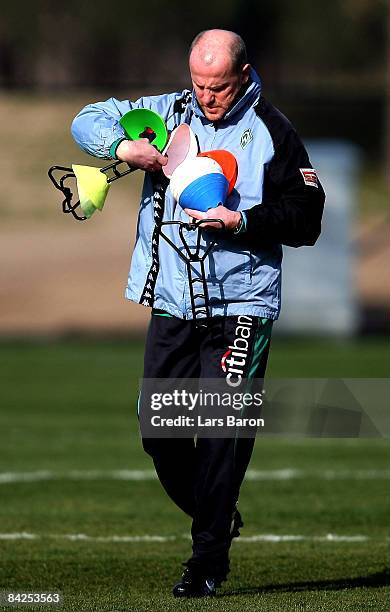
(326, 64)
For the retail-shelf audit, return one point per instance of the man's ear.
(245, 72)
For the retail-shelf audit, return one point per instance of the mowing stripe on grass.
(140, 475)
(265, 537)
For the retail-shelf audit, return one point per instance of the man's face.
(216, 85)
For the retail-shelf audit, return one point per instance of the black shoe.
(194, 585)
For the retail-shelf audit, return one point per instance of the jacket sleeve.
(96, 127)
(293, 197)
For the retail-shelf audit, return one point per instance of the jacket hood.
(249, 98)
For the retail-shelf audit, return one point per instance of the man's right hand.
(141, 154)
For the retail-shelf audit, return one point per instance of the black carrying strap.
(200, 303)
(113, 172)
(160, 185)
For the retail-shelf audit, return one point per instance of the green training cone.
(144, 123)
(92, 187)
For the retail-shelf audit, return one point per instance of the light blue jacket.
(240, 279)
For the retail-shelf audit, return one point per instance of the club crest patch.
(309, 176)
(246, 138)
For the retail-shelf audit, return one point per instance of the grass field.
(73, 520)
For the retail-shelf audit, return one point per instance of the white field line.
(266, 537)
(330, 537)
(140, 475)
(40, 475)
(291, 474)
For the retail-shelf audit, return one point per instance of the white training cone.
(199, 183)
(182, 145)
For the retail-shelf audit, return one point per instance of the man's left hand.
(231, 218)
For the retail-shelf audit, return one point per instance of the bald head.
(218, 70)
(216, 46)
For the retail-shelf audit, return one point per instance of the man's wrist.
(115, 145)
(241, 225)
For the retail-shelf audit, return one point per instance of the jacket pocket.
(228, 267)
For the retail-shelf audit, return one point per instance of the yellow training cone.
(92, 187)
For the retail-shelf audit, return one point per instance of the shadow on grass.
(377, 580)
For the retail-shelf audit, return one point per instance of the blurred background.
(327, 68)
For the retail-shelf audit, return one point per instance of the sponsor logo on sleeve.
(309, 176)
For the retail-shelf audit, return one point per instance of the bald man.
(277, 200)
